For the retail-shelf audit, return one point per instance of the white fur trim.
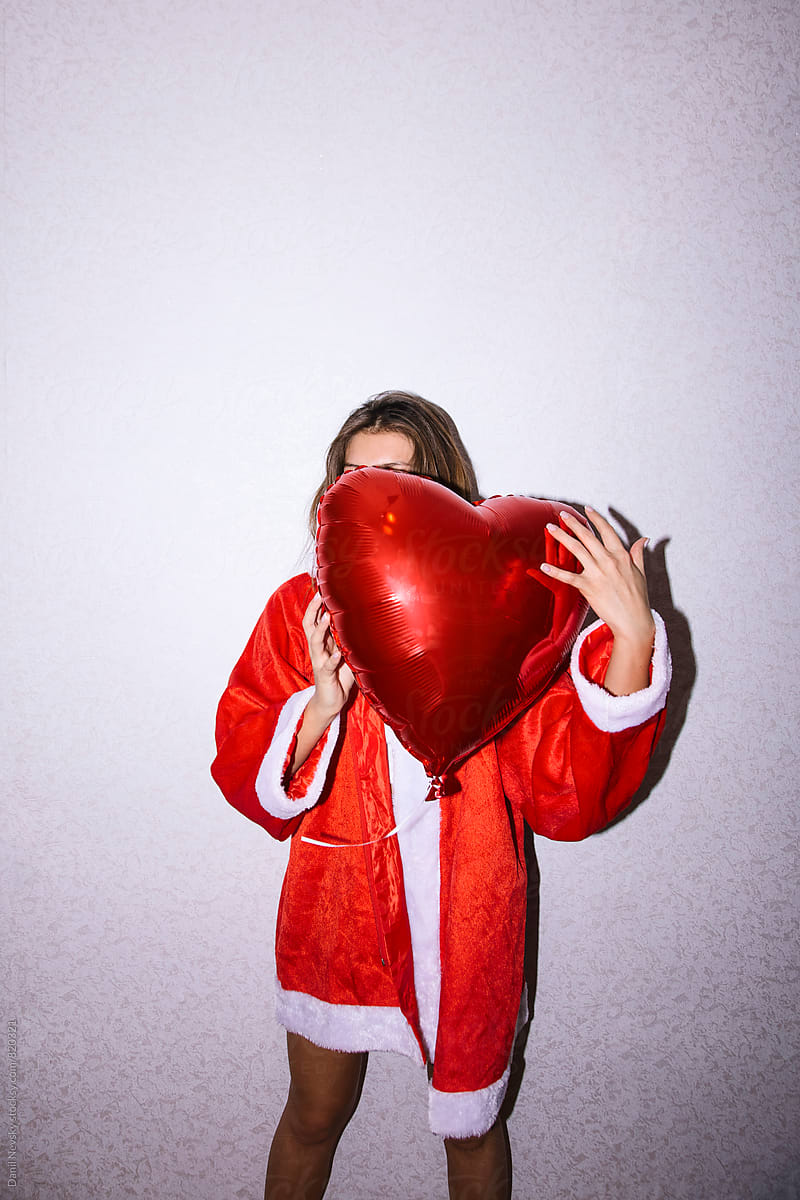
(469, 1114)
(466, 1114)
(610, 713)
(269, 781)
(418, 841)
(353, 1027)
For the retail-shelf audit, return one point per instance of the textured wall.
(570, 223)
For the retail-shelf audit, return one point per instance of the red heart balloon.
(440, 608)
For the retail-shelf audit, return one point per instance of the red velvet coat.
(343, 932)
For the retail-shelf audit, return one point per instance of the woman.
(414, 942)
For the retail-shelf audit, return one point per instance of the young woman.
(414, 942)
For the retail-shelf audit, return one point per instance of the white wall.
(227, 224)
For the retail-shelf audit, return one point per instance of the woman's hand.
(613, 582)
(333, 679)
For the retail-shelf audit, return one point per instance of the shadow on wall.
(684, 672)
(684, 663)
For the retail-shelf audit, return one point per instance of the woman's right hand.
(333, 679)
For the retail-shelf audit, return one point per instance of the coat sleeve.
(576, 758)
(259, 712)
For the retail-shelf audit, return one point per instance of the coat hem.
(354, 1028)
(466, 1114)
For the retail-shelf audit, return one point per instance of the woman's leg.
(323, 1094)
(479, 1168)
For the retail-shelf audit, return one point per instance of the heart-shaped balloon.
(440, 608)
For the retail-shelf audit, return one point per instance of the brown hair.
(438, 449)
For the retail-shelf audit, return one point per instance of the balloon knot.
(442, 785)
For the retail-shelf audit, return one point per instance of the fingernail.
(565, 516)
(546, 568)
(550, 525)
(589, 508)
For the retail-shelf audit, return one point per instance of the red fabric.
(343, 933)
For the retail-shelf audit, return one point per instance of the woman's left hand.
(614, 584)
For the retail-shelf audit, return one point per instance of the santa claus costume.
(401, 920)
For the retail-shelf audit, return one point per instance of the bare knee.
(324, 1090)
(314, 1122)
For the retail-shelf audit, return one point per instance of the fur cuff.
(270, 790)
(612, 714)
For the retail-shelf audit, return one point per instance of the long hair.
(438, 449)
